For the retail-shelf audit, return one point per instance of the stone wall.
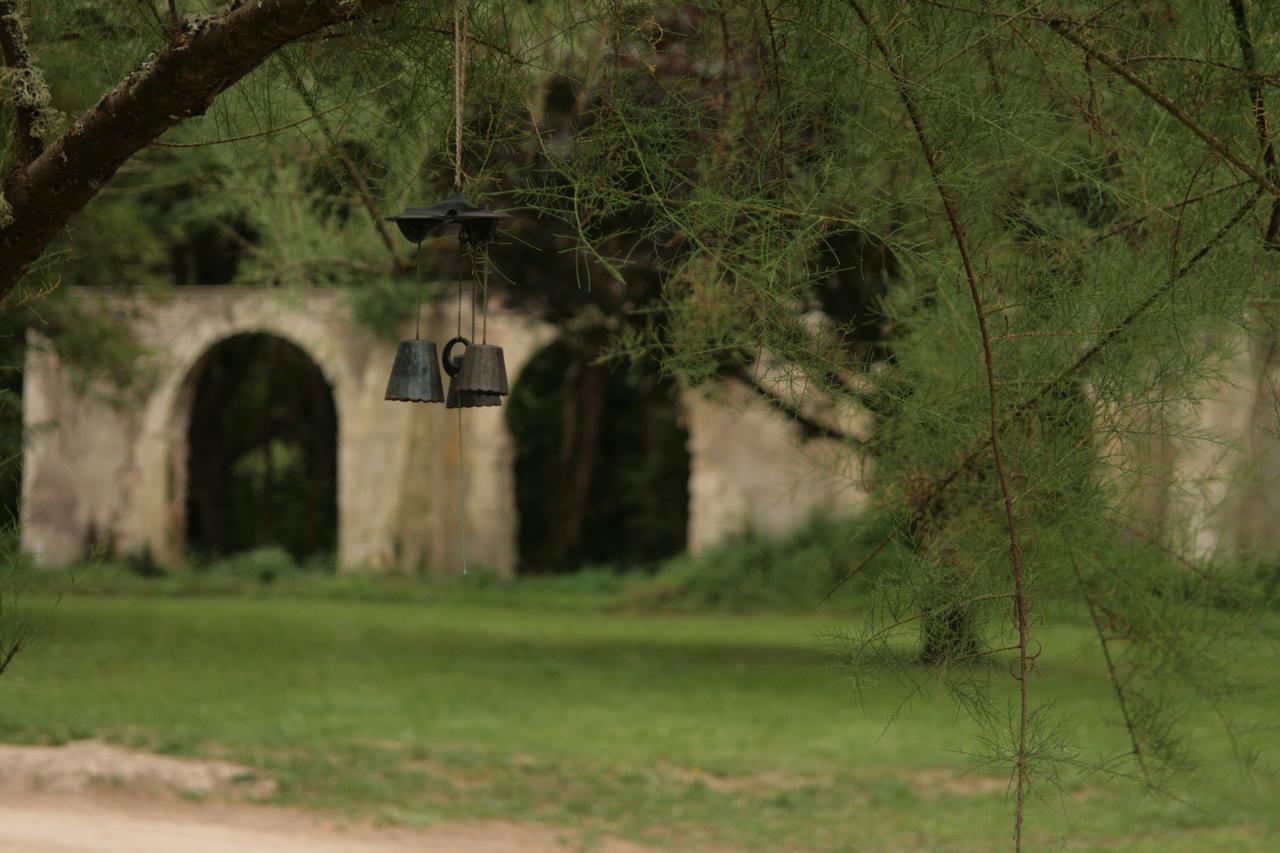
(113, 471)
(1209, 470)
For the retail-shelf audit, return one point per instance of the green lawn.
(676, 730)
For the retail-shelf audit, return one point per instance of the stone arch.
(192, 328)
(601, 464)
(315, 440)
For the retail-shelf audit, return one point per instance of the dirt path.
(90, 797)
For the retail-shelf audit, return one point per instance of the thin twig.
(271, 131)
(9, 655)
(1121, 697)
(811, 427)
(354, 174)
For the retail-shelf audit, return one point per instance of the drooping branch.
(178, 81)
(1022, 614)
(25, 83)
(7, 655)
(355, 175)
(1113, 675)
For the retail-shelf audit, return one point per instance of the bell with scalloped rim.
(484, 371)
(415, 376)
(456, 398)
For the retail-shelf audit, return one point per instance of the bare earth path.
(90, 797)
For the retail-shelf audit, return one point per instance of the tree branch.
(1240, 11)
(30, 94)
(355, 176)
(176, 82)
(9, 654)
(809, 427)
(1118, 66)
(1113, 676)
(930, 499)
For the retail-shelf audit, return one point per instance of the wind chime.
(477, 375)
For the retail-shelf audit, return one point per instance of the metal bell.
(462, 399)
(483, 370)
(415, 377)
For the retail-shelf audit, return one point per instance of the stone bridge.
(104, 468)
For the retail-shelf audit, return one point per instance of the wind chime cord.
(484, 305)
(417, 315)
(462, 495)
(459, 92)
(459, 87)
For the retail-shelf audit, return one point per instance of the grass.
(676, 730)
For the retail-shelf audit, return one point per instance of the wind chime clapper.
(457, 398)
(479, 376)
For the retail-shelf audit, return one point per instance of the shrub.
(754, 571)
(264, 565)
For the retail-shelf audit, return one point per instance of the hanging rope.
(462, 496)
(459, 95)
(459, 87)
(462, 474)
(484, 297)
(417, 315)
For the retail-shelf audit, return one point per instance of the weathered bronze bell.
(483, 370)
(462, 399)
(415, 377)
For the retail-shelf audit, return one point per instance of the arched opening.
(262, 451)
(602, 465)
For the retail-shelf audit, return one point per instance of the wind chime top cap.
(416, 222)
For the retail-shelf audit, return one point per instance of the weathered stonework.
(96, 471)
(750, 468)
(1209, 471)
(113, 473)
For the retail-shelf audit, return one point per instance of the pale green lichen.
(24, 86)
(6, 212)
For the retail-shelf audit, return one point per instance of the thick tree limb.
(30, 95)
(178, 81)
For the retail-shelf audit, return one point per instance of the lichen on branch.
(23, 85)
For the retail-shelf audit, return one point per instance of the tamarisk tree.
(1050, 221)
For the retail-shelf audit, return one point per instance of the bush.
(755, 572)
(264, 565)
